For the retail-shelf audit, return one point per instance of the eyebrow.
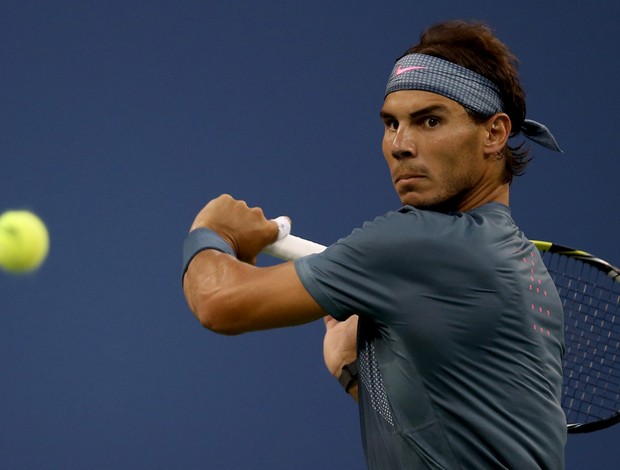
(433, 108)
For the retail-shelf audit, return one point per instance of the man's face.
(435, 152)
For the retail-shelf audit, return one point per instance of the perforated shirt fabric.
(460, 339)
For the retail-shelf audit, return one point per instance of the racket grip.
(289, 247)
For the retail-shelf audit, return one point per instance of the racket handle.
(289, 247)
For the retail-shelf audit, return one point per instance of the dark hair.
(474, 45)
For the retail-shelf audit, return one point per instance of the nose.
(402, 145)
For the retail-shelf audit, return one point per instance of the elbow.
(216, 325)
(214, 306)
(216, 318)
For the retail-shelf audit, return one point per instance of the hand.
(340, 343)
(245, 229)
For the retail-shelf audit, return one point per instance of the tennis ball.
(24, 241)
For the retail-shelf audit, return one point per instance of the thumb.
(330, 322)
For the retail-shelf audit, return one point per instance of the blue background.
(120, 119)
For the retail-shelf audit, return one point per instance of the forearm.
(208, 282)
(231, 297)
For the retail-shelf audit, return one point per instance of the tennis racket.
(589, 288)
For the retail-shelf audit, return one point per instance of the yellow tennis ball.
(24, 241)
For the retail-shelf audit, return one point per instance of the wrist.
(349, 376)
(201, 239)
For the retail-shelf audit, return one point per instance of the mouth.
(408, 178)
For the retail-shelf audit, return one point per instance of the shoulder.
(410, 233)
(407, 222)
(424, 227)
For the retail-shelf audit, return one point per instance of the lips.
(408, 177)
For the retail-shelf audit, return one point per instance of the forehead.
(411, 101)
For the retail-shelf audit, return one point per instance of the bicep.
(232, 297)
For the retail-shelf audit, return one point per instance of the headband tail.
(540, 134)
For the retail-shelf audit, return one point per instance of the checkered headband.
(470, 89)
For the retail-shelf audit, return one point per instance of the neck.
(464, 203)
(499, 194)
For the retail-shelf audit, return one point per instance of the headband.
(466, 87)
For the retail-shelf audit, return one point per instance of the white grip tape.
(289, 247)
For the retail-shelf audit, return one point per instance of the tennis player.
(460, 334)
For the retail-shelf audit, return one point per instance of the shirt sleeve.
(358, 274)
(401, 261)
(337, 278)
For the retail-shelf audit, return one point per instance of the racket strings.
(592, 339)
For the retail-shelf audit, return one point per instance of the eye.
(431, 122)
(391, 124)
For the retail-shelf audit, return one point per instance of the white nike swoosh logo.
(400, 71)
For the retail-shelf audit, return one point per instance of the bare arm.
(230, 296)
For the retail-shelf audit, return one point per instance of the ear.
(498, 129)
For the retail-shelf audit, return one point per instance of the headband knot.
(472, 90)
